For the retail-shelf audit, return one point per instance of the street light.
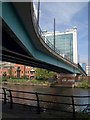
(38, 12)
(54, 34)
(70, 51)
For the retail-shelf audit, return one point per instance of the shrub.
(85, 84)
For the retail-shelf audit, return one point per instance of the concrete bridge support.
(77, 78)
(65, 78)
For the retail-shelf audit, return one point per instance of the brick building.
(17, 70)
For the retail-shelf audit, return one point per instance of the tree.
(4, 76)
(43, 74)
(10, 71)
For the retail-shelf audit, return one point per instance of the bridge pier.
(65, 79)
(76, 78)
(79, 78)
(59, 78)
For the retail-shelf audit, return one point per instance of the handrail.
(38, 100)
(38, 104)
(79, 66)
(4, 90)
(50, 94)
(73, 105)
(11, 98)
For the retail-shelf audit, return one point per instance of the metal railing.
(38, 101)
(45, 39)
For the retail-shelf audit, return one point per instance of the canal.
(53, 90)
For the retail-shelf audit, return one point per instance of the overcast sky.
(67, 15)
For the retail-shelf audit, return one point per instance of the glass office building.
(66, 42)
(88, 70)
(83, 65)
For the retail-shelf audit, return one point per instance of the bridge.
(23, 41)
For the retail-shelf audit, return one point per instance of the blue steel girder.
(12, 19)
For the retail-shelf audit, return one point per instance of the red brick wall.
(24, 70)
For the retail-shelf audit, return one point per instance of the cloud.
(62, 12)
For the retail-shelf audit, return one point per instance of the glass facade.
(84, 66)
(64, 43)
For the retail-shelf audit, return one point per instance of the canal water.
(52, 90)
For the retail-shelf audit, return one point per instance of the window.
(32, 72)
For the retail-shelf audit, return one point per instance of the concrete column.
(77, 78)
(59, 79)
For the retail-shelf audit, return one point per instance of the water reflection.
(51, 90)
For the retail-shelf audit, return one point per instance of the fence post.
(38, 105)
(11, 100)
(74, 117)
(4, 95)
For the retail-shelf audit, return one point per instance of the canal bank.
(25, 84)
(83, 84)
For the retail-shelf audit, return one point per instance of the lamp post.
(54, 34)
(70, 51)
(38, 12)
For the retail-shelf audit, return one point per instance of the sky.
(67, 15)
(45, 0)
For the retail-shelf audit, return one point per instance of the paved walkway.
(23, 111)
(28, 112)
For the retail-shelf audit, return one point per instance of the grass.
(84, 84)
(0, 80)
(39, 81)
(16, 80)
(42, 82)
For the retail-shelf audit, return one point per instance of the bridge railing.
(37, 98)
(79, 66)
(45, 39)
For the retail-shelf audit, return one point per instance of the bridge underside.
(22, 44)
(14, 51)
